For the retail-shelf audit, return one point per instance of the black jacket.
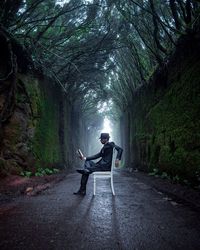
(106, 154)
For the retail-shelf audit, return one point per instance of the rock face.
(39, 131)
(164, 125)
(37, 120)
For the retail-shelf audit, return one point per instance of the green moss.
(154, 156)
(46, 140)
(171, 128)
(32, 87)
(20, 98)
(44, 122)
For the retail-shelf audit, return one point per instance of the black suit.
(104, 164)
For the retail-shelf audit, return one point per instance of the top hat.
(104, 136)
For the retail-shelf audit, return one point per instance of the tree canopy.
(99, 50)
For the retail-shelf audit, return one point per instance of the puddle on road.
(167, 198)
(174, 203)
(142, 185)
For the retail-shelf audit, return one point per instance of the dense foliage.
(93, 49)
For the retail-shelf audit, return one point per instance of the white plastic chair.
(106, 175)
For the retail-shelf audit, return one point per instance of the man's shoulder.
(111, 144)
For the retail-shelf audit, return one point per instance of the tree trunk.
(175, 14)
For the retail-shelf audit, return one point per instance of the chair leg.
(112, 186)
(94, 192)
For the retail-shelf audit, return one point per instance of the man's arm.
(119, 152)
(119, 155)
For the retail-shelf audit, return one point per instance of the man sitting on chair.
(104, 164)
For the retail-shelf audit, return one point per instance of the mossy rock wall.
(56, 124)
(45, 129)
(46, 146)
(39, 125)
(164, 120)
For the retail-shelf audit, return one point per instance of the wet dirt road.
(138, 217)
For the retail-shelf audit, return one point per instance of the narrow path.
(138, 217)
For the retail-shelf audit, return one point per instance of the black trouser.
(93, 167)
(84, 179)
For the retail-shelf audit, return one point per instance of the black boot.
(84, 180)
(80, 192)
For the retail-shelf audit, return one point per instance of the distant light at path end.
(107, 127)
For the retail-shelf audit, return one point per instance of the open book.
(80, 154)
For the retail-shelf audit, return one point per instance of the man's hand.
(83, 158)
(116, 163)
